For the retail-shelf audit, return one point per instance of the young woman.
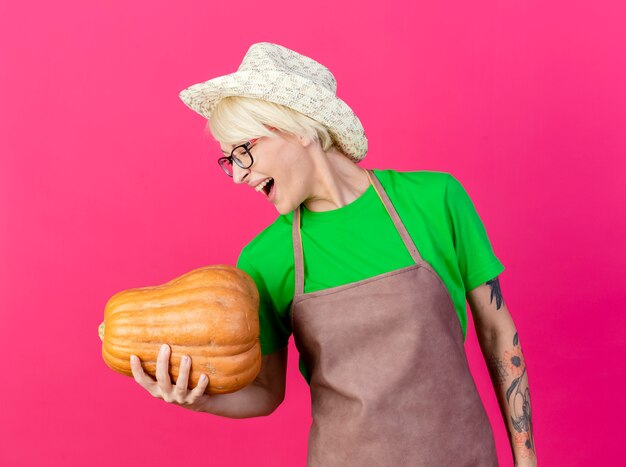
(369, 270)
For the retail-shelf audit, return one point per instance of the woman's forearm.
(252, 401)
(509, 375)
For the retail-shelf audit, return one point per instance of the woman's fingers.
(183, 376)
(162, 372)
(183, 395)
(162, 388)
(198, 391)
(144, 380)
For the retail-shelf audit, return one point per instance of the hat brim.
(293, 91)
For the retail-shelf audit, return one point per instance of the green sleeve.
(476, 259)
(275, 331)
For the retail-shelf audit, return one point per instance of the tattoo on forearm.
(518, 398)
(495, 292)
(497, 370)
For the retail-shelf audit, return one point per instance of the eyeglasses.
(240, 154)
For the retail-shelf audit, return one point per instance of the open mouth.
(268, 187)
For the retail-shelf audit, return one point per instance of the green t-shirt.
(359, 240)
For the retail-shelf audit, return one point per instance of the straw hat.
(277, 74)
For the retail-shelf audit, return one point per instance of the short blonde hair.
(236, 119)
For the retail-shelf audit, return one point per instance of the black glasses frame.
(246, 147)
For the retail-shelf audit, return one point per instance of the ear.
(305, 140)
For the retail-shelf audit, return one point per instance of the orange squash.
(210, 314)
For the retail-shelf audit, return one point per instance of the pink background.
(107, 182)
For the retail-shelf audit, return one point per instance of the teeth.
(260, 186)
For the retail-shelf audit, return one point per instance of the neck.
(337, 181)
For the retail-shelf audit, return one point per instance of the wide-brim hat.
(277, 74)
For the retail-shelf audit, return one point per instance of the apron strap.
(406, 238)
(297, 234)
(297, 249)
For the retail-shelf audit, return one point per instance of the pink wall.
(107, 182)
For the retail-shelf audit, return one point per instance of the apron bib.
(389, 379)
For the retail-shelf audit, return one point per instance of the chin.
(284, 210)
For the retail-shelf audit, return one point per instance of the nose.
(240, 175)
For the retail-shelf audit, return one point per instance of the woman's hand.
(162, 388)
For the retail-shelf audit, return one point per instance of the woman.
(378, 313)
